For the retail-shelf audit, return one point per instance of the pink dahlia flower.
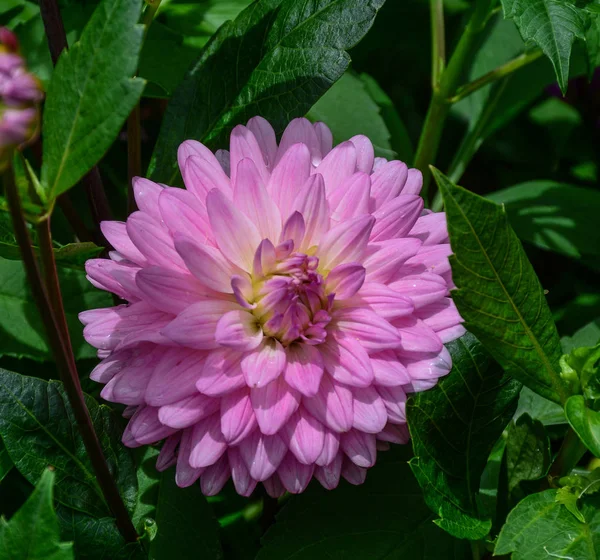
(279, 310)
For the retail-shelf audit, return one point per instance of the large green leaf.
(275, 60)
(38, 429)
(186, 526)
(91, 93)
(527, 451)
(540, 528)
(498, 294)
(454, 427)
(554, 216)
(585, 421)
(96, 538)
(553, 25)
(32, 533)
(348, 109)
(5, 461)
(21, 328)
(385, 517)
(547, 412)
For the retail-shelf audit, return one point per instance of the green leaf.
(554, 216)
(582, 365)
(91, 93)
(553, 25)
(21, 329)
(348, 109)
(589, 335)
(547, 412)
(385, 517)
(498, 294)
(38, 429)
(568, 497)
(5, 461)
(527, 451)
(540, 528)
(275, 60)
(454, 427)
(186, 526)
(96, 538)
(32, 533)
(585, 422)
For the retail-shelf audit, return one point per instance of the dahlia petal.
(332, 405)
(382, 299)
(153, 241)
(274, 487)
(183, 214)
(129, 385)
(243, 482)
(126, 275)
(146, 428)
(395, 433)
(197, 326)
(305, 436)
(353, 474)
(451, 333)
(347, 361)
(387, 257)
(116, 234)
(311, 202)
(367, 328)
(243, 291)
(432, 366)
(432, 259)
(389, 371)
(294, 229)
(440, 315)
(235, 234)
(221, 374)
(304, 368)
(185, 474)
(187, 411)
(396, 217)
(168, 453)
(394, 399)
(294, 475)
(207, 264)
(262, 454)
(265, 136)
(422, 289)
(300, 130)
(345, 280)
(345, 242)
(243, 144)
(370, 414)
(194, 148)
(329, 475)
(331, 446)
(365, 155)
(264, 259)
(174, 376)
(109, 367)
(263, 365)
(359, 448)
(251, 197)
(416, 336)
(207, 444)
(146, 195)
(387, 182)
(201, 176)
(431, 229)
(168, 290)
(100, 272)
(289, 174)
(273, 405)
(414, 182)
(214, 477)
(352, 198)
(325, 137)
(224, 159)
(237, 416)
(338, 165)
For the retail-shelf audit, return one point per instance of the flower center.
(290, 302)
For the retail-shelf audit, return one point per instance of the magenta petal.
(416, 336)
(238, 329)
(347, 361)
(385, 301)
(305, 436)
(300, 130)
(440, 315)
(188, 411)
(331, 446)
(290, 173)
(370, 414)
(116, 234)
(325, 137)
(365, 155)
(146, 194)
(432, 259)
(414, 182)
(394, 399)
(294, 475)
(265, 259)
(359, 448)
(243, 482)
(338, 165)
(221, 374)
(312, 203)
(214, 477)
(388, 369)
(264, 364)
(294, 229)
(396, 217)
(197, 326)
(332, 405)
(207, 443)
(431, 229)
(183, 214)
(237, 416)
(304, 368)
(352, 198)
(192, 148)
(128, 386)
(265, 136)
(185, 474)
(101, 273)
(386, 258)
(387, 182)
(422, 289)
(372, 331)
(329, 475)
(352, 473)
(274, 487)
(168, 453)
(345, 280)
(243, 144)
(273, 405)
(431, 366)
(200, 177)
(262, 454)
(395, 433)
(146, 428)
(345, 242)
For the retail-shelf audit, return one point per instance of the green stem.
(448, 84)
(438, 40)
(569, 454)
(149, 14)
(55, 323)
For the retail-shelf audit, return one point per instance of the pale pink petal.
(116, 234)
(273, 405)
(243, 144)
(237, 416)
(145, 427)
(389, 371)
(300, 131)
(382, 299)
(416, 336)
(207, 443)
(214, 477)
(221, 373)
(325, 137)
(183, 214)
(440, 315)
(332, 405)
(201, 177)
(265, 259)
(414, 182)
(394, 399)
(235, 234)
(262, 454)
(422, 289)
(312, 203)
(304, 368)
(345, 280)
(347, 361)
(187, 411)
(264, 364)
(431, 229)
(396, 217)
(386, 258)
(367, 328)
(345, 242)
(265, 136)
(369, 410)
(243, 482)
(430, 366)
(305, 436)
(338, 165)
(387, 182)
(109, 367)
(451, 333)
(100, 272)
(288, 177)
(294, 229)
(146, 194)
(294, 475)
(359, 448)
(365, 155)
(352, 198)
(432, 259)
(193, 148)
